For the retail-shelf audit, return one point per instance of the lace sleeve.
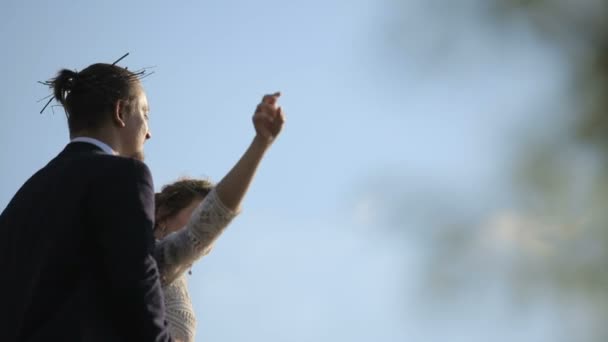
(179, 250)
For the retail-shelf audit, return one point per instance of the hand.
(268, 118)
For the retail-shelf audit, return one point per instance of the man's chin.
(139, 155)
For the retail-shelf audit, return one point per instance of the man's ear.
(118, 114)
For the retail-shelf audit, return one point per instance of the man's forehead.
(144, 103)
(142, 99)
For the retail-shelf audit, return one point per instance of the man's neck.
(103, 146)
(103, 141)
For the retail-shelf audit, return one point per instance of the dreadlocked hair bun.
(63, 84)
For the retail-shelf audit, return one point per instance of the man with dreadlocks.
(77, 237)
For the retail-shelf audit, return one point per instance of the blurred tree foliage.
(553, 243)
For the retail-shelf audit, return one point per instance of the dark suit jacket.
(76, 253)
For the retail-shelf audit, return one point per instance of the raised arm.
(268, 121)
(176, 252)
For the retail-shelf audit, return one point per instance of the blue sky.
(382, 101)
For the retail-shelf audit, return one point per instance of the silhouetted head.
(107, 101)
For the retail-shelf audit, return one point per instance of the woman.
(191, 214)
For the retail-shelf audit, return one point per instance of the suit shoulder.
(124, 163)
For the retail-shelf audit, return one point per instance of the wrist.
(262, 142)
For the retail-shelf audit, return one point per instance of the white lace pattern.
(176, 253)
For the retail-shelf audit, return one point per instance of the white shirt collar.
(105, 147)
